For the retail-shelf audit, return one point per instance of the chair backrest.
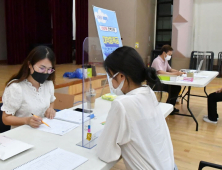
(3, 127)
(219, 56)
(197, 56)
(155, 54)
(208, 164)
(164, 96)
(219, 60)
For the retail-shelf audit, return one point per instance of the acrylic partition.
(92, 65)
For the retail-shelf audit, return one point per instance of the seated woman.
(212, 100)
(135, 127)
(31, 90)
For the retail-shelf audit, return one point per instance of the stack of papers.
(57, 127)
(54, 160)
(71, 116)
(64, 121)
(10, 147)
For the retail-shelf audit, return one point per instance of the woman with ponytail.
(135, 127)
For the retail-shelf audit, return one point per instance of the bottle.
(90, 98)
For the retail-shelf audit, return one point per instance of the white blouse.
(21, 99)
(136, 129)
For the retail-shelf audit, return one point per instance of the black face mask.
(40, 77)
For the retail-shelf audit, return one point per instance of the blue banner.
(108, 30)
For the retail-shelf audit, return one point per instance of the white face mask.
(168, 57)
(118, 90)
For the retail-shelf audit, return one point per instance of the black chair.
(204, 164)
(219, 63)
(199, 55)
(3, 127)
(195, 57)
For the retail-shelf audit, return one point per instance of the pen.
(41, 120)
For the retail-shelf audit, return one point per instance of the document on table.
(200, 75)
(10, 147)
(196, 75)
(56, 159)
(57, 126)
(71, 116)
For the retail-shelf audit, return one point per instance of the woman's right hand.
(34, 122)
(179, 73)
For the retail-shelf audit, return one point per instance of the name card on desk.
(166, 77)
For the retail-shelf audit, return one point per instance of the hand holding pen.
(34, 121)
(41, 120)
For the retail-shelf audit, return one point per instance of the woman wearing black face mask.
(31, 90)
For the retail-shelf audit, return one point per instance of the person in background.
(212, 100)
(31, 90)
(162, 67)
(135, 127)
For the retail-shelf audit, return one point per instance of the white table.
(198, 81)
(44, 142)
(202, 80)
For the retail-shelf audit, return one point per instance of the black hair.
(128, 61)
(37, 54)
(166, 49)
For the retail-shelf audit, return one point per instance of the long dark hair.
(37, 54)
(128, 61)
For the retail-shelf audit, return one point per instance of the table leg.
(188, 107)
(205, 91)
(182, 95)
(183, 98)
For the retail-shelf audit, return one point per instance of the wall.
(3, 46)
(208, 24)
(182, 33)
(126, 14)
(145, 16)
(135, 19)
(196, 27)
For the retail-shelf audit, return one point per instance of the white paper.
(71, 116)
(192, 71)
(101, 74)
(10, 147)
(196, 75)
(57, 126)
(57, 159)
(200, 76)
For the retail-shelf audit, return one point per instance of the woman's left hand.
(50, 113)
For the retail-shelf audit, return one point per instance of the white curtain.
(207, 26)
